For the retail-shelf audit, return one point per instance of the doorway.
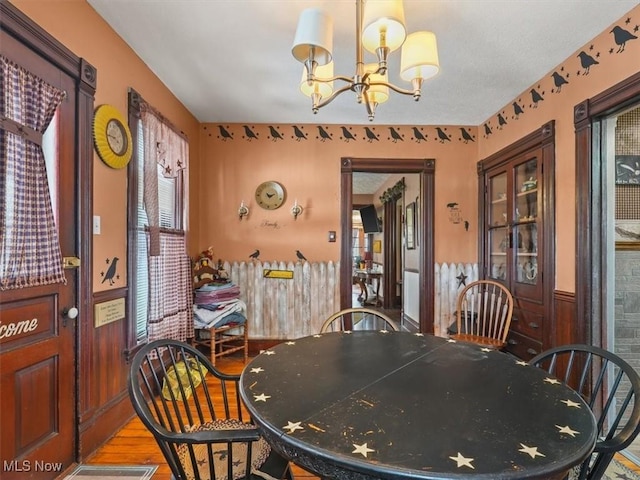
(424, 168)
(608, 223)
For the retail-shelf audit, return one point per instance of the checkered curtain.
(164, 147)
(29, 244)
(170, 287)
(170, 291)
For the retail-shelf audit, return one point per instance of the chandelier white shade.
(419, 57)
(383, 25)
(378, 92)
(324, 89)
(380, 29)
(314, 37)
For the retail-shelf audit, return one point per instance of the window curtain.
(170, 313)
(164, 147)
(170, 290)
(30, 252)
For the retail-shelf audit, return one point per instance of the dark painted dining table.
(397, 405)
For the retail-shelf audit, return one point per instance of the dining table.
(399, 405)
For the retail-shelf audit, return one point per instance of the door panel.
(37, 342)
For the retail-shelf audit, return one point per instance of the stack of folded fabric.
(217, 304)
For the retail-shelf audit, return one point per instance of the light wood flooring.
(134, 445)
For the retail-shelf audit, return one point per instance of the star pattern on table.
(522, 363)
(384, 331)
(347, 332)
(486, 349)
(269, 352)
(293, 426)
(552, 381)
(532, 451)
(261, 398)
(463, 461)
(419, 334)
(451, 340)
(362, 449)
(257, 370)
(568, 430)
(317, 335)
(571, 403)
(290, 343)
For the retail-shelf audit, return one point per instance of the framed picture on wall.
(410, 221)
(377, 246)
(416, 216)
(627, 234)
(628, 169)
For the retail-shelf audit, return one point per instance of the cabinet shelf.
(527, 192)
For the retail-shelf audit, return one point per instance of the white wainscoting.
(292, 308)
(447, 285)
(411, 296)
(279, 308)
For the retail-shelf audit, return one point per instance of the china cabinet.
(517, 232)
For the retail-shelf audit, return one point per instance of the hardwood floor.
(134, 445)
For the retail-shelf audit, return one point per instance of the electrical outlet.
(332, 235)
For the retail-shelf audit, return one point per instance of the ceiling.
(229, 61)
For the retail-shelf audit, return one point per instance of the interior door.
(37, 326)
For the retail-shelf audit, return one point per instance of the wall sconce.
(243, 211)
(296, 210)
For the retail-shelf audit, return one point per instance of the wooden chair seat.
(479, 340)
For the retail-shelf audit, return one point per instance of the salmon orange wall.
(553, 97)
(306, 160)
(77, 26)
(226, 169)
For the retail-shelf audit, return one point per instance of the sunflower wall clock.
(111, 136)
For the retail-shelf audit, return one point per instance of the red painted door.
(37, 335)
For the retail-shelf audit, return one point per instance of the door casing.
(425, 168)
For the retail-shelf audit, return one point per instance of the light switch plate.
(332, 235)
(96, 225)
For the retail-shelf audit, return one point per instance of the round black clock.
(270, 195)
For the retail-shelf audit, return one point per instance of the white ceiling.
(364, 183)
(229, 61)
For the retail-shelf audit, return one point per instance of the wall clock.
(111, 136)
(270, 195)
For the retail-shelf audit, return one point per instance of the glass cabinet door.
(498, 242)
(525, 227)
(498, 195)
(498, 249)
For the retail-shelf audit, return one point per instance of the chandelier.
(380, 29)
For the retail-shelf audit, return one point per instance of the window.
(171, 216)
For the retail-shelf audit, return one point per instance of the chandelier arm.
(403, 91)
(346, 88)
(337, 77)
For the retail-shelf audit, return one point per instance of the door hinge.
(70, 262)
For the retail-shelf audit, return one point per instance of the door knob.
(70, 313)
